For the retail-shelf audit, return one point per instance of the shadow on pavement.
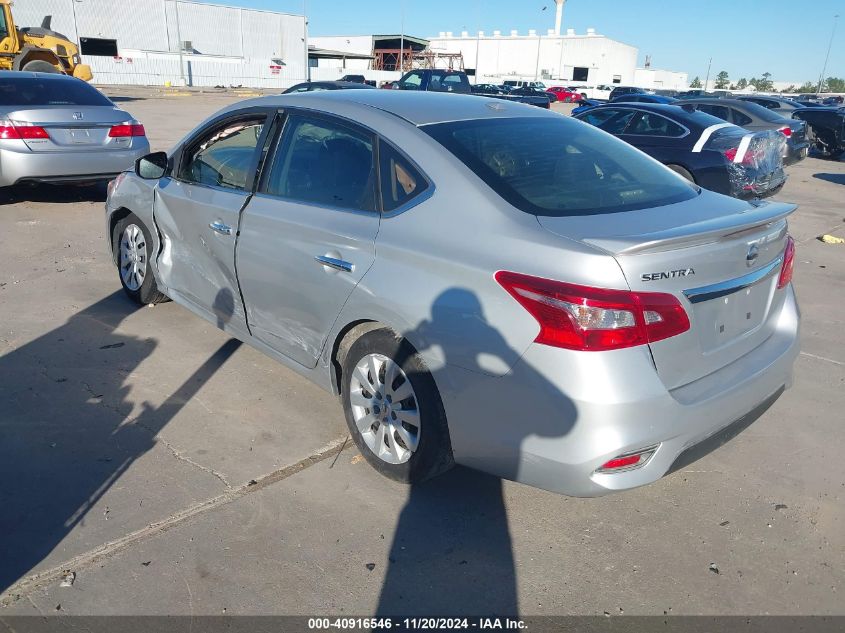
(452, 552)
(836, 179)
(67, 431)
(53, 194)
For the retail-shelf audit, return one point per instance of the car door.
(197, 209)
(308, 235)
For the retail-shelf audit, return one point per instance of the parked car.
(618, 91)
(600, 91)
(701, 148)
(488, 89)
(834, 100)
(784, 107)
(520, 83)
(528, 91)
(592, 361)
(387, 85)
(755, 118)
(587, 104)
(564, 93)
(354, 78)
(59, 129)
(810, 104)
(437, 80)
(644, 98)
(695, 94)
(827, 129)
(314, 86)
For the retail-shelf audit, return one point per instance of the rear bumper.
(23, 165)
(559, 415)
(796, 152)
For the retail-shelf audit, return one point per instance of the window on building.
(579, 73)
(98, 46)
(617, 79)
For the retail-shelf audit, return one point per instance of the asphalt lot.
(176, 471)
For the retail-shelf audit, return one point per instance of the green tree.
(834, 84)
(722, 80)
(696, 83)
(753, 82)
(790, 89)
(742, 84)
(807, 86)
(765, 83)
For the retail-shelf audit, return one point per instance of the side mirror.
(152, 166)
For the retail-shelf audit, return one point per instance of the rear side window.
(739, 118)
(651, 124)
(412, 81)
(323, 162)
(48, 92)
(719, 111)
(616, 125)
(597, 117)
(400, 180)
(559, 167)
(762, 113)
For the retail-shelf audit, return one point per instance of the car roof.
(8, 75)
(678, 111)
(418, 108)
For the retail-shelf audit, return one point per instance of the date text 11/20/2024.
(416, 624)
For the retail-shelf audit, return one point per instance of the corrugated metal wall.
(251, 37)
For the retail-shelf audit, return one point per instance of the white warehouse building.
(142, 41)
(588, 58)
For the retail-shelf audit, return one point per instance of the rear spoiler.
(712, 230)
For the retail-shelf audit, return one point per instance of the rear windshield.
(761, 112)
(558, 166)
(47, 92)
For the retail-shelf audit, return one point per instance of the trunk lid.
(74, 128)
(720, 257)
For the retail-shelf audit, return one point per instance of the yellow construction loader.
(37, 49)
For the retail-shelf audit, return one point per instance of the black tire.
(39, 66)
(148, 293)
(434, 451)
(682, 171)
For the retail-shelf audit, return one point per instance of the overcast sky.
(744, 37)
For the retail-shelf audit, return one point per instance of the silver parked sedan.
(55, 128)
(482, 283)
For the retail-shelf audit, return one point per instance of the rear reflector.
(20, 130)
(627, 461)
(127, 129)
(788, 263)
(594, 319)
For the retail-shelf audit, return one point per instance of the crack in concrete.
(184, 458)
(26, 586)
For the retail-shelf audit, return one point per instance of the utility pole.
(179, 37)
(707, 79)
(402, 41)
(305, 39)
(827, 56)
(537, 67)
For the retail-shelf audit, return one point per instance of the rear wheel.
(683, 172)
(39, 66)
(393, 409)
(132, 248)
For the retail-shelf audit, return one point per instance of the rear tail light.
(788, 263)
(786, 131)
(127, 129)
(595, 319)
(21, 130)
(627, 461)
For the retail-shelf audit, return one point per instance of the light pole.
(179, 44)
(707, 78)
(402, 41)
(827, 56)
(307, 72)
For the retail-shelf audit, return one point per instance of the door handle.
(223, 229)
(337, 264)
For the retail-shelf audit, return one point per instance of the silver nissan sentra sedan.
(59, 129)
(482, 283)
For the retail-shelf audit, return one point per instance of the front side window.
(597, 117)
(224, 157)
(412, 81)
(616, 125)
(4, 31)
(400, 180)
(323, 162)
(651, 124)
(559, 167)
(718, 111)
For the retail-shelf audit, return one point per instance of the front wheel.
(39, 66)
(393, 409)
(132, 247)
